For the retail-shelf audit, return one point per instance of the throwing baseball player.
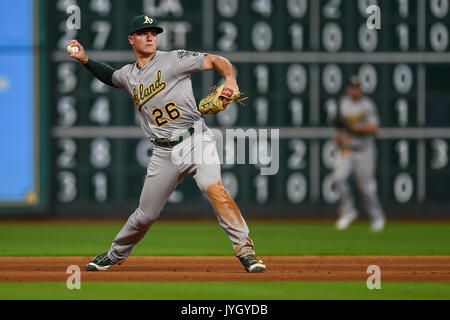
(160, 85)
(357, 123)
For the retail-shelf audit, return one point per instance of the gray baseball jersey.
(164, 99)
(162, 92)
(362, 111)
(358, 156)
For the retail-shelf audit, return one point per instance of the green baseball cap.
(143, 22)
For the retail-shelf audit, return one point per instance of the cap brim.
(156, 29)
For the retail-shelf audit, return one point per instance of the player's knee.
(205, 183)
(340, 181)
(369, 189)
(217, 193)
(142, 219)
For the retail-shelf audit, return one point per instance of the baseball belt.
(171, 143)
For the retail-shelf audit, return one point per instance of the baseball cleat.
(252, 264)
(346, 220)
(377, 225)
(100, 263)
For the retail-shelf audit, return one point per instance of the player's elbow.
(376, 128)
(214, 62)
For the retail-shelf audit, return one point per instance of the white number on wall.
(439, 37)
(330, 154)
(296, 108)
(330, 192)
(403, 187)
(67, 191)
(297, 159)
(262, 36)
(297, 8)
(402, 31)
(262, 78)
(368, 77)
(227, 8)
(67, 112)
(100, 183)
(296, 188)
(331, 108)
(100, 113)
(402, 109)
(402, 148)
(228, 41)
(332, 37)
(332, 79)
(439, 8)
(332, 10)
(403, 8)
(262, 111)
(440, 154)
(296, 33)
(403, 78)
(67, 79)
(262, 188)
(368, 39)
(100, 155)
(296, 79)
(66, 159)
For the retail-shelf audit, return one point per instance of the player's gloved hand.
(219, 99)
(341, 123)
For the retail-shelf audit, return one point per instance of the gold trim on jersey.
(354, 117)
(148, 93)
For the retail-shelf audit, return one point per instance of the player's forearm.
(224, 67)
(365, 128)
(101, 71)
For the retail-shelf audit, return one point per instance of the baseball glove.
(341, 123)
(219, 99)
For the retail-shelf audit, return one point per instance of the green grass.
(225, 291)
(207, 238)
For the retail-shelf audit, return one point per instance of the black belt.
(171, 143)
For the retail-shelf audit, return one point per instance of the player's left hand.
(341, 123)
(220, 97)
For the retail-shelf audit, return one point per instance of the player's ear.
(131, 40)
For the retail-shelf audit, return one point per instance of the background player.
(160, 86)
(357, 123)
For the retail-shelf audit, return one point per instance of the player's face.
(144, 41)
(354, 92)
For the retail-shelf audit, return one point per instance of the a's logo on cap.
(148, 20)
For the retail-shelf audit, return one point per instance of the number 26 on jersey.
(162, 116)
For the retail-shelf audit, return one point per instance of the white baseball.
(71, 49)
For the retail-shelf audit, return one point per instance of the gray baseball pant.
(362, 163)
(166, 169)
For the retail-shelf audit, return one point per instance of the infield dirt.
(286, 268)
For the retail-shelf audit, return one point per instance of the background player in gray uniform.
(160, 86)
(357, 122)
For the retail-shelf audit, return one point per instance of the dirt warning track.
(292, 268)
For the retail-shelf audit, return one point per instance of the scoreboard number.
(296, 188)
(440, 154)
(293, 59)
(67, 189)
(66, 159)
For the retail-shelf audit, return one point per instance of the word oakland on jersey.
(162, 92)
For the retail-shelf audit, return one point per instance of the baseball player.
(160, 85)
(357, 123)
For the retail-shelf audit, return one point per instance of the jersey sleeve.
(119, 77)
(371, 115)
(187, 62)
